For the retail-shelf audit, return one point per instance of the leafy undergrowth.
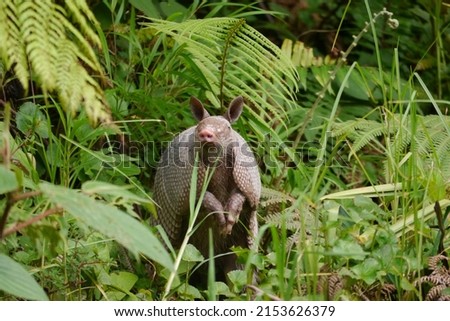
(353, 151)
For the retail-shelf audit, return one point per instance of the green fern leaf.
(37, 37)
(236, 60)
(431, 137)
(12, 49)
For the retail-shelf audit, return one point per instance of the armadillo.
(229, 205)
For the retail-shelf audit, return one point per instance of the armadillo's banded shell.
(172, 184)
(245, 171)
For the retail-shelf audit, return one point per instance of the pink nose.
(206, 135)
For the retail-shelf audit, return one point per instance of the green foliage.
(40, 35)
(17, 281)
(355, 163)
(9, 181)
(109, 221)
(429, 138)
(246, 61)
(30, 120)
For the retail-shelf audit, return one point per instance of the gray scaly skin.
(232, 194)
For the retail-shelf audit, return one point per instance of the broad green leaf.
(119, 106)
(172, 7)
(8, 179)
(54, 154)
(16, 280)
(356, 87)
(114, 295)
(368, 271)
(121, 284)
(238, 278)
(30, 119)
(110, 221)
(123, 280)
(104, 278)
(191, 254)
(405, 284)
(348, 249)
(189, 292)
(147, 7)
(24, 161)
(124, 164)
(274, 273)
(103, 188)
(223, 289)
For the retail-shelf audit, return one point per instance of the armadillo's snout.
(207, 135)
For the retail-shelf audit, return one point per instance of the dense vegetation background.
(346, 110)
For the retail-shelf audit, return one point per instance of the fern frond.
(271, 196)
(431, 137)
(12, 48)
(439, 278)
(367, 134)
(288, 219)
(37, 36)
(76, 85)
(360, 131)
(236, 60)
(41, 29)
(80, 11)
(304, 56)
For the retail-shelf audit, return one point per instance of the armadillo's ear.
(197, 109)
(235, 109)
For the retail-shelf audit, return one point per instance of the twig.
(442, 229)
(11, 199)
(32, 220)
(4, 218)
(18, 197)
(259, 291)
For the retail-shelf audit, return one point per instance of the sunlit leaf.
(348, 249)
(30, 119)
(123, 280)
(17, 281)
(8, 179)
(191, 254)
(110, 221)
(368, 270)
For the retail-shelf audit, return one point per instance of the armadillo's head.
(214, 133)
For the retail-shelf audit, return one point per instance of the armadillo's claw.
(221, 220)
(230, 223)
(233, 209)
(226, 222)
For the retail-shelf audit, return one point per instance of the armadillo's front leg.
(212, 204)
(234, 208)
